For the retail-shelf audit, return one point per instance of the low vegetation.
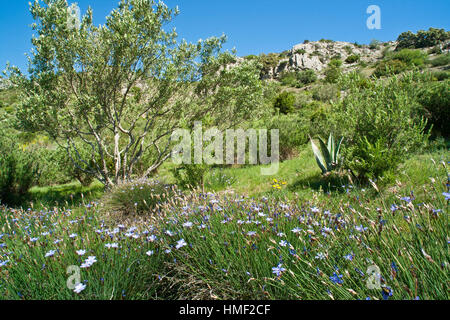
(85, 180)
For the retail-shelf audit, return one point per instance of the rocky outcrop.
(317, 55)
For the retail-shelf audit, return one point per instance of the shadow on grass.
(71, 195)
(318, 182)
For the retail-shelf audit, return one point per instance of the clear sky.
(252, 26)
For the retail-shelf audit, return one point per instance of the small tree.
(285, 102)
(123, 87)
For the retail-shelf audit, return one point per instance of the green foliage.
(285, 102)
(372, 160)
(326, 92)
(352, 59)
(435, 99)
(18, 170)
(374, 44)
(269, 61)
(390, 67)
(300, 51)
(423, 39)
(441, 75)
(410, 57)
(384, 118)
(336, 63)
(140, 197)
(293, 132)
(349, 50)
(327, 155)
(441, 60)
(401, 61)
(306, 77)
(333, 72)
(191, 176)
(298, 79)
(100, 107)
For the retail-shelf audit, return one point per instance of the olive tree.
(121, 88)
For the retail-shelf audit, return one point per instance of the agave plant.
(327, 156)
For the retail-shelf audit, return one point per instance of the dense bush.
(441, 60)
(269, 61)
(410, 57)
(332, 73)
(300, 51)
(397, 62)
(326, 93)
(18, 170)
(306, 77)
(390, 67)
(298, 79)
(352, 59)
(285, 102)
(137, 197)
(374, 44)
(293, 132)
(422, 39)
(441, 75)
(289, 79)
(335, 62)
(435, 99)
(382, 126)
(58, 167)
(189, 176)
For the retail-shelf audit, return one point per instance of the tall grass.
(216, 247)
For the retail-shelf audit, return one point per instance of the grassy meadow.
(92, 207)
(305, 241)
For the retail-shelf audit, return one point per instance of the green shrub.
(441, 75)
(410, 57)
(397, 62)
(332, 74)
(60, 165)
(384, 118)
(374, 45)
(189, 176)
(435, 50)
(435, 99)
(137, 197)
(285, 102)
(289, 79)
(293, 132)
(441, 60)
(326, 93)
(18, 170)
(337, 63)
(349, 50)
(337, 56)
(422, 39)
(269, 61)
(371, 160)
(306, 77)
(300, 51)
(352, 59)
(390, 67)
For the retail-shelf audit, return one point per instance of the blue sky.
(252, 26)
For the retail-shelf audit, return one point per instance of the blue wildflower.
(387, 292)
(337, 278)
